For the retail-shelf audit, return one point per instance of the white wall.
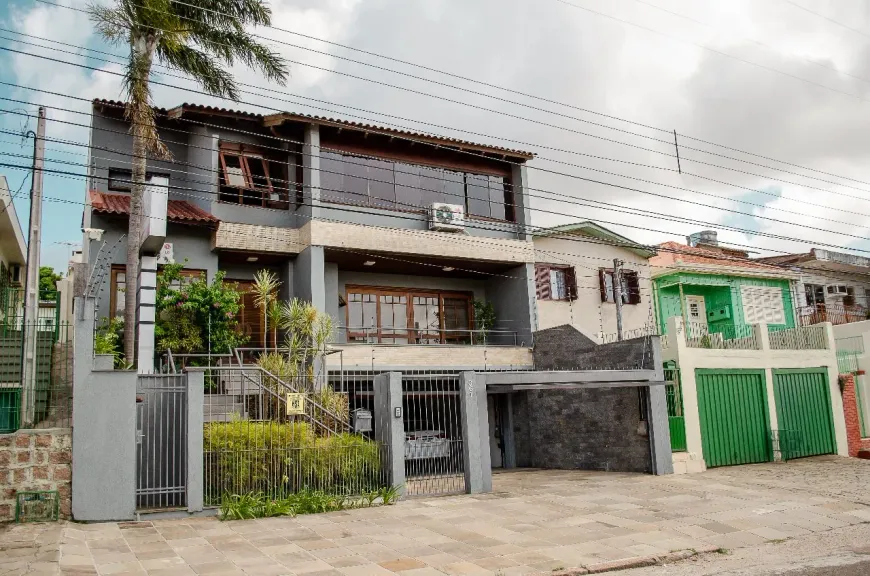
(862, 287)
(688, 359)
(588, 313)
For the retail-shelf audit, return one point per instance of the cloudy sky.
(760, 76)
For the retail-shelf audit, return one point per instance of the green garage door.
(735, 427)
(803, 405)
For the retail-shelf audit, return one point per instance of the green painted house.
(719, 291)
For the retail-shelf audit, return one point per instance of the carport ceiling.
(501, 382)
(390, 263)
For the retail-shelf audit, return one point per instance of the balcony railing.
(801, 338)
(835, 314)
(727, 337)
(429, 337)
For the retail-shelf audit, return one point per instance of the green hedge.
(276, 459)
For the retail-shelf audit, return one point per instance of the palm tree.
(198, 38)
(265, 285)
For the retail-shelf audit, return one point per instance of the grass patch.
(260, 505)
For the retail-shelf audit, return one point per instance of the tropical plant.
(193, 314)
(196, 40)
(107, 339)
(265, 286)
(274, 315)
(48, 283)
(484, 317)
(309, 333)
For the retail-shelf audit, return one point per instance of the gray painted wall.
(192, 243)
(309, 275)
(513, 298)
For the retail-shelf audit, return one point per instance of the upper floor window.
(555, 282)
(630, 286)
(253, 176)
(121, 179)
(402, 186)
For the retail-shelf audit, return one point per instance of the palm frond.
(111, 23)
(231, 46)
(225, 13)
(203, 68)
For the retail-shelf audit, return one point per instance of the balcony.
(836, 314)
(700, 340)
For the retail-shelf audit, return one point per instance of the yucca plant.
(265, 289)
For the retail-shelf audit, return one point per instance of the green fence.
(676, 420)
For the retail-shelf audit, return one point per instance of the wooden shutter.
(633, 285)
(542, 282)
(570, 283)
(602, 283)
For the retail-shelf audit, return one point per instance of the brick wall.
(35, 460)
(595, 429)
(850, 410)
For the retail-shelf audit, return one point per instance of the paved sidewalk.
(535, 521)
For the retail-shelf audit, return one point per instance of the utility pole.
(617, 295)
(31, 288)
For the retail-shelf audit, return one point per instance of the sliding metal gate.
(161, 441)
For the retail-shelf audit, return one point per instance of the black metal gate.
(161, 441)
(433, 434)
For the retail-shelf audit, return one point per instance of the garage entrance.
(732, 406)
(803, 406)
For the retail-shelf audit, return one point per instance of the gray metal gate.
(433, 434)
(161, 441)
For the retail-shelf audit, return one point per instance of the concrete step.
(219, 399)
(227, 416)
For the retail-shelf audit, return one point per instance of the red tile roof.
(674, 254)
(279, 117)
(176, 210)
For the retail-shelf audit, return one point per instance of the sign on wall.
(167, 254)
(295, 404)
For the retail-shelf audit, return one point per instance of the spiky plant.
(265, 289)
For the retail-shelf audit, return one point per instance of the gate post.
(389, 426)
(475, 433)
(657, 416)
(195, 390)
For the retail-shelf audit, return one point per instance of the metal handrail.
(396, 332)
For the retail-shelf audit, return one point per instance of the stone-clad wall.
(34, 460)
(597, 429)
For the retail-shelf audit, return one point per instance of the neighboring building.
(349, 217)
(13, 256)
(719, 290)
(574, 281)
(747, 383)
(832, 287)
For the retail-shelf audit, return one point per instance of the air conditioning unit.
(15, 274)
(446, 217)
(837, 289)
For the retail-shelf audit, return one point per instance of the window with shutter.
(630, 286)
(542, 282)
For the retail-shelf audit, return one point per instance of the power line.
(520, 104)
(737, 200)
(621, 208)
(831, 20)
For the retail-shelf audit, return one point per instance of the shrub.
(277, 459)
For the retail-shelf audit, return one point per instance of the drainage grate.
(37, 506)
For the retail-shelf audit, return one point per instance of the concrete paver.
(533, 522)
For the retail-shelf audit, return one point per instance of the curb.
(634, 562)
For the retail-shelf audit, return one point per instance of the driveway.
(534, 521)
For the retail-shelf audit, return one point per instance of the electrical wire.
(668, 142)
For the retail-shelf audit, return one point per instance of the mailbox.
(362, 420)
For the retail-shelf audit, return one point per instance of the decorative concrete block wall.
(35, 460)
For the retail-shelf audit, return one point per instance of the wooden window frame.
(543, 287)
(409, 293)
(245, 153)
(632, 285)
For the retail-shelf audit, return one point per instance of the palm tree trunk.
(144, 138)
